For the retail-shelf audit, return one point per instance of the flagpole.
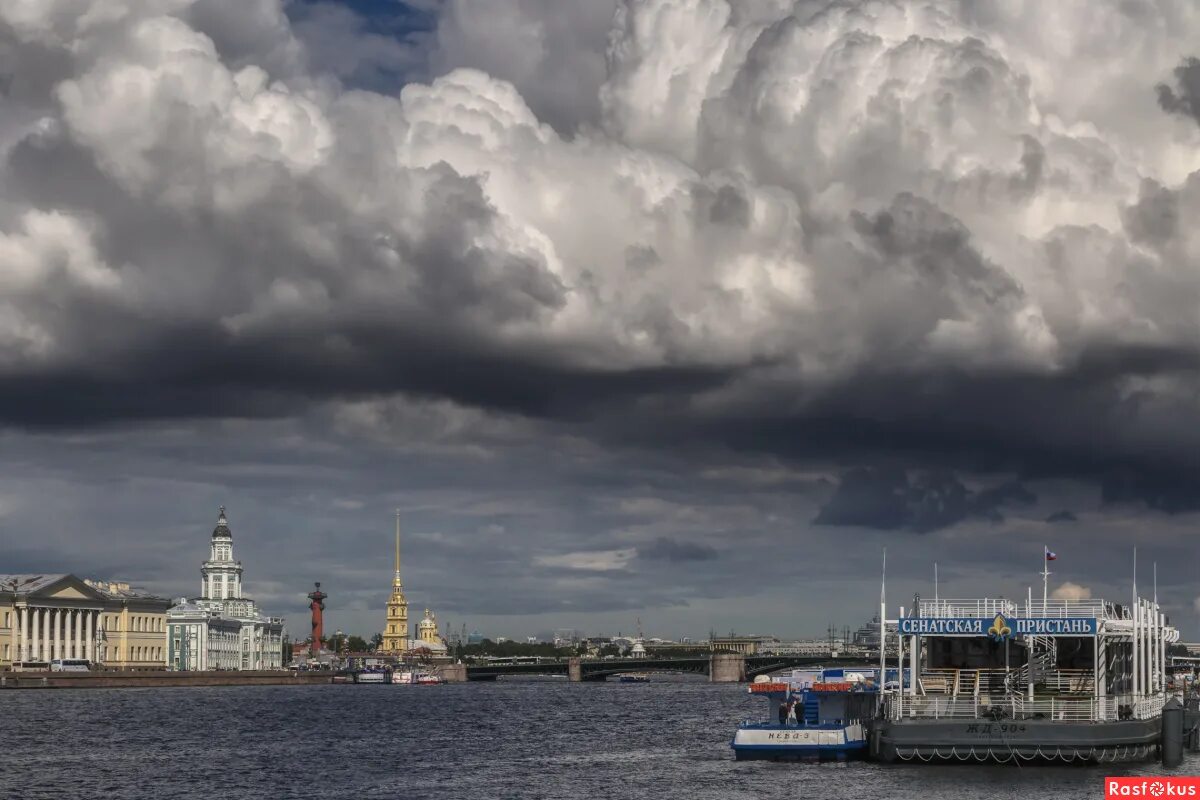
(1045, 576)
(883, 629)
(935, 582)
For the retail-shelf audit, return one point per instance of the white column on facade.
(89, 634)
(77, 636)
(51, 633)
(62, 633)
(23, 644)
(35, 642)
(46, 634)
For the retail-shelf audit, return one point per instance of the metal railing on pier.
(991, 606)
(999, 709)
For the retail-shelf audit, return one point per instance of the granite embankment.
(125, 680)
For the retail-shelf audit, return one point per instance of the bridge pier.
(452, 673)
(726, 668)
(574, 670)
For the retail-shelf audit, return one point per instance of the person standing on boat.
(784, 708)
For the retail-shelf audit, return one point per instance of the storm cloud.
(879, 264)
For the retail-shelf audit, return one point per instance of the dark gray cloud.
(1184, 97)
(889, 499)
(1062, 516)
(665, 549)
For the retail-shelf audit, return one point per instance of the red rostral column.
(317, 605)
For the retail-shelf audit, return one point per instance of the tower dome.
(427, 628)
(222, 530)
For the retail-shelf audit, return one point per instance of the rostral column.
(317, 605)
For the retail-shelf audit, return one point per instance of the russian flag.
(1051, 556)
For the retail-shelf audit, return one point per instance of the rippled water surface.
(520, 739)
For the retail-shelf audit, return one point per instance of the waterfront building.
(566, 637)
(46, 617)
(806, 647)
(746, 645)
(222, 629)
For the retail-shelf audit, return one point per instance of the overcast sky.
(671, 309)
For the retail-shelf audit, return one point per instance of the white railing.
(1149, 707)
(999, 709)
(990, 606)
(982, 607)
(1065, 608)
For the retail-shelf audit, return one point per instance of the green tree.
(512, 650)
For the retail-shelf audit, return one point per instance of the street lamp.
(101, 641)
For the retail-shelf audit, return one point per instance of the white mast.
(1045, 575)
(883, 627)
(935, 583)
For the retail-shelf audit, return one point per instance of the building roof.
(121, 590)
(222, 529)
(21, 584)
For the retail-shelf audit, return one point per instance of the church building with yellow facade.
(396, 639)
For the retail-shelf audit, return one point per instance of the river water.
(520, 739)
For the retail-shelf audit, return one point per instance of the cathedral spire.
(396, 580)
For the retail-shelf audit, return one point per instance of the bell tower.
(395, 634)
(220, 575)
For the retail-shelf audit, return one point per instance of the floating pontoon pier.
(1001, 680)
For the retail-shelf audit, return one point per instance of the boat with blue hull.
(813, 716)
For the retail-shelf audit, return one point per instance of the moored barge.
(1004, 681)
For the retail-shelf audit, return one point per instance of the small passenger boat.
(816, 718)
(633, 677)
(371, 676)
(413, 678)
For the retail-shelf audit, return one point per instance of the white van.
(70, 665)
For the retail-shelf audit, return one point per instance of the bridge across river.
(720, 667)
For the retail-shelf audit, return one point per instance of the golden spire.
(397, 578)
